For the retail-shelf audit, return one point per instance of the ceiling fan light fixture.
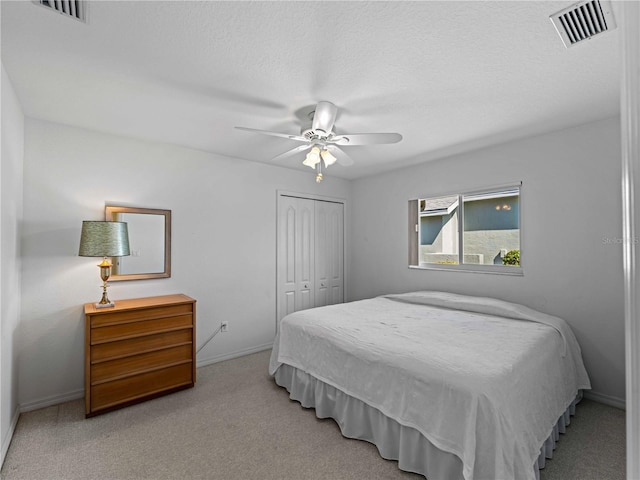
(322, 144)
(328, 158)
(312, 158)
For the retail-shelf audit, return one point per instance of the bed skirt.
(406, 445)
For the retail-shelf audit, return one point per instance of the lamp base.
(105, 305)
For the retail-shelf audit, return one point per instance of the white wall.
(11, 218)
(224, 240)
(223, 243)
(571, 234)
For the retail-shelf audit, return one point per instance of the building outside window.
(470, 229)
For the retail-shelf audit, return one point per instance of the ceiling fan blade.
(366, 138)
(341, 157)
(324, 117)
(292, 152)
(297, 138)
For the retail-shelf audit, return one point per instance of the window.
(468, 231)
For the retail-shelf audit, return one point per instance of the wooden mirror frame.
(111, 210)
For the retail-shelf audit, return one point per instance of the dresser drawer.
(136, 329)
(147, 343)
(110, 394)
(136, 364)
(127, 316)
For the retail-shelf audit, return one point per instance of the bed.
(450, 386)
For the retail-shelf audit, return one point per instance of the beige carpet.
(237, 424)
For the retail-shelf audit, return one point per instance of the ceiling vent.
(71, 8)
(583, 20)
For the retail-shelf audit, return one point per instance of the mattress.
(481, 379)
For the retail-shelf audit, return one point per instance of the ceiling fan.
(322, 142)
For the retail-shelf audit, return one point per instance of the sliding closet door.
(296, 244)
(329, 253)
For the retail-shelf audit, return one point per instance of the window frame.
(414, 234)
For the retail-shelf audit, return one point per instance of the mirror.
(149, 241)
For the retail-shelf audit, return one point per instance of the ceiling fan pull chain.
(319, 176)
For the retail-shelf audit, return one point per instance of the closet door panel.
(286, 276)
(329, 253)
(305, 248)
(296, 245)
(321, 281)
(288, 303)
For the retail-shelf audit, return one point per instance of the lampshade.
(313, 157)
(104, 239)
(328, 158)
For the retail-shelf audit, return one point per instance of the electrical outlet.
(224, 327)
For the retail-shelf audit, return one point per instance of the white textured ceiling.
(447, 75)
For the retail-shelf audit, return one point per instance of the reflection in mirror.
(149, 240)
(147, 254)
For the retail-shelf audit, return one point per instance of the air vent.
(582, 21)
(71, 8)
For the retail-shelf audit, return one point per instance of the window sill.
(490, 269)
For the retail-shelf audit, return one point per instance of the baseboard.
(76, 394)
(6, 440)
(606, 399)
(52, 400)
(228, 356)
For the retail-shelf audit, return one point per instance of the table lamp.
(104, 239)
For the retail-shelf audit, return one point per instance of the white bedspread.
(483, 379)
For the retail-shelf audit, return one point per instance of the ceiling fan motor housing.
(320, 121)
(311, 134)
(308, 132)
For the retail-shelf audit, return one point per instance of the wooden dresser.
(140, 349)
